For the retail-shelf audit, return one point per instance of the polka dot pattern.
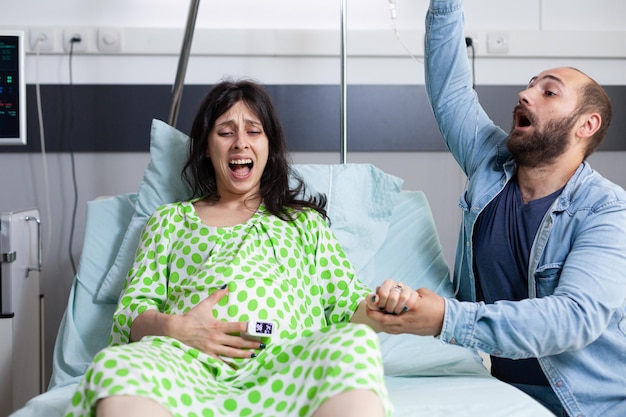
(293, 273)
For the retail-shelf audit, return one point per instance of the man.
(540, 270)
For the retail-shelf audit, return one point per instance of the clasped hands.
(396, 308)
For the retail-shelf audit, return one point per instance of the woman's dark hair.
(278, 194)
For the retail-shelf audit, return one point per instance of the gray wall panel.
(398, 118)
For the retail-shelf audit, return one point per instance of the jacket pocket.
(547, 278)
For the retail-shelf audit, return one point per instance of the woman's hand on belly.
(197, 328)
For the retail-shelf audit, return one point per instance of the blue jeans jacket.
(574, 320)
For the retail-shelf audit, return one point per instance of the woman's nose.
(241, 141)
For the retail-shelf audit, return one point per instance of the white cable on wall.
(44, 157)
(75, 39)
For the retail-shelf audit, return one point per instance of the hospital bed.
(386, 232)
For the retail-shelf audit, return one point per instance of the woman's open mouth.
(241, 167)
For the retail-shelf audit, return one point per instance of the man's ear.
(590, 123)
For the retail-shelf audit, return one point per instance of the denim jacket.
(574, 319)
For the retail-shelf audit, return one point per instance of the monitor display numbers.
(12, 89)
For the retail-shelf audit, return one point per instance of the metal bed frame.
(177, 90)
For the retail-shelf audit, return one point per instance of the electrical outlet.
(42, 39)
(475, 39)
(109, 40)
(498, 43)
(75, 33)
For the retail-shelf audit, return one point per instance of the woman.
(248, 247)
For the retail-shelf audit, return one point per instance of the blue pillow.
(162, 183)
(360, 201)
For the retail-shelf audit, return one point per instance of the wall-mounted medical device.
(21, 310)
(12, 88)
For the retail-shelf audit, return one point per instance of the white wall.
(286, 42)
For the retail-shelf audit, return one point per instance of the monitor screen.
(12, 89)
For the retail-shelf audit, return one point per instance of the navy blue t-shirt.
(503, 237)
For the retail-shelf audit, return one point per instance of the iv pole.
(182, 63)
(184, 58)
(344, 84)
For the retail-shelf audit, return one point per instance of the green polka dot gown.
(293, 273)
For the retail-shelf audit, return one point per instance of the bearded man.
(540, 270)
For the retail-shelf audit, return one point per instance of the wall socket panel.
(50, 40)
(42, 39)
(476, 41)
(109, 40)
(498, 43)
(288, 42)
(78, 33)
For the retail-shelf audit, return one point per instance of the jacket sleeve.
(465, 126)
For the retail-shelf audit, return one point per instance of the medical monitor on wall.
(12, 89)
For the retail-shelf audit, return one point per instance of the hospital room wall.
(146, 23)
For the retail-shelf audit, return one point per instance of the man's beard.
(542, 147)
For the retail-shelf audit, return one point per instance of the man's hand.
(424, 317)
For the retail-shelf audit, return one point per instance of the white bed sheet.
(458, 395)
